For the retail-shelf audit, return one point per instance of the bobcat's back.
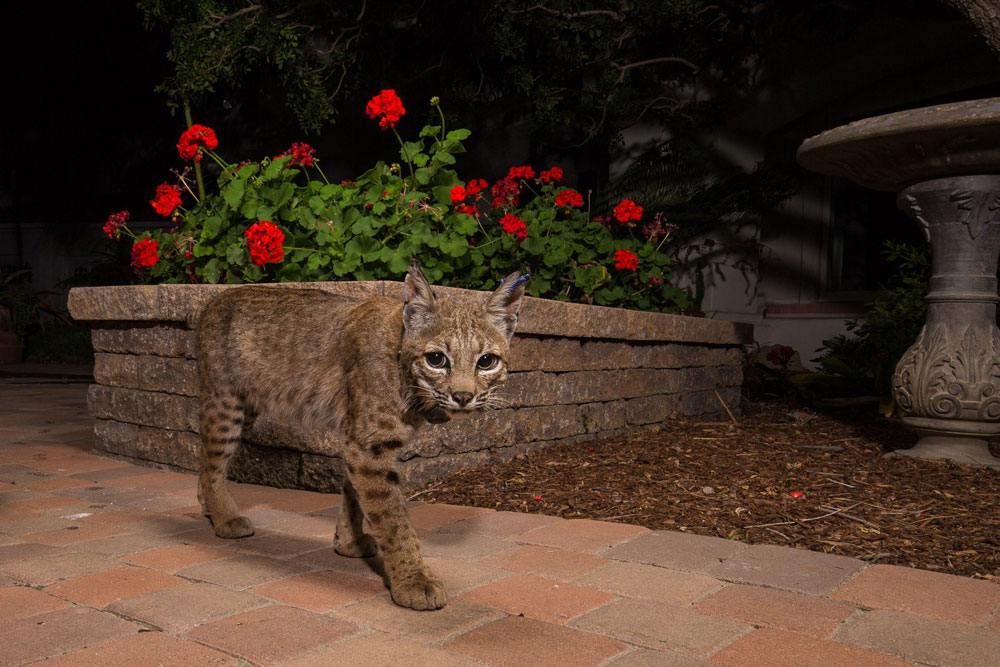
(289, 351)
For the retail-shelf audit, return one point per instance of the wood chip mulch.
(778, 476)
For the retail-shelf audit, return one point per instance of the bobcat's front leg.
(372, 473)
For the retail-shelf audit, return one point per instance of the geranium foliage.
(280, 219)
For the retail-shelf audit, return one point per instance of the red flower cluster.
(517, 173)
(468, 210)
(476, 186)
(193, 139)
(264, 240)
(627, 211)
(302, 154)
(656, 281)
(115, 222)
(569, 198)
(386, 107)
(145, 253)
(552, 175)
(626, 260)
(458, 193)
(514, 225)
(506, 192)
(657, 228)
(780, 356)
(168, 197)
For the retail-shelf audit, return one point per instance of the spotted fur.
(372, 372)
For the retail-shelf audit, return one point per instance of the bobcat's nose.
(462, 397)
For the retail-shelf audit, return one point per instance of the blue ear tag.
(522, 279)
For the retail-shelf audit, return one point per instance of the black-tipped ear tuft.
(504, 303)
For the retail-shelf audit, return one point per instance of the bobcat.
(373, 371)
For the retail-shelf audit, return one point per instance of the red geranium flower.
(386, 107)
(569, 198)
(193, 139)
(468, 210)
(145, 253)
(551, 175)
(514, 225)
(264, 240)
(476, 186)
(506, 192)
(302, 154)
(655, 281)
(115, 222)
(627, 211)
(458, 193)
(168, 197)
(524, 172)
(626, 260)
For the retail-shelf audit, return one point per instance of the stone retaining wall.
(578, 372)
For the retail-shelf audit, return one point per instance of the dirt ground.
(779, 476)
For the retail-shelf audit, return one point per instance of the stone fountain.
(944, 164)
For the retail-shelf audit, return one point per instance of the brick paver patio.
(106, 563)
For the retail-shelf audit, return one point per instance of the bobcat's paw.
(363, 547)
(420, 591)
(238, 526)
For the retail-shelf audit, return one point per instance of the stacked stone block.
(578, 372)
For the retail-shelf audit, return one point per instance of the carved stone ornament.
(951, 372)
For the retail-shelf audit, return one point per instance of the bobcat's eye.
(436, 359)
(487, 362)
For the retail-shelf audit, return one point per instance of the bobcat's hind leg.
(351, 540)
(222, 420)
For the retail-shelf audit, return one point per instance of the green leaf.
(444, 158)
(363, 226)
(455, 245)
(423, 175)
(211, 228)
(534, 244)
(211, 271)
(249, 208)
(460, 134)
(235, 253)
(430, 131)
(233, 193)
(399, 262)
(409, 149)
(290, 273)
(466, 224)
(317, 260)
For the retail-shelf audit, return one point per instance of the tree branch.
(219, 20)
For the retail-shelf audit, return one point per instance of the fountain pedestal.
(944, 163)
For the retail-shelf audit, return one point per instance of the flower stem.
(406, 154)
(316, 164)
(218, 160)
(441, 113)
(197, 167)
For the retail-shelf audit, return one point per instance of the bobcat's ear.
(503, 304)
(420, 307)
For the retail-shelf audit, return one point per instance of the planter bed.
(578, 372)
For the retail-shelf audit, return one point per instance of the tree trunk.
(985, 15)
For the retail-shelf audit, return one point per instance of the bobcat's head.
(455, 355)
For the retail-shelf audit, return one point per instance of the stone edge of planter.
(545, 317)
